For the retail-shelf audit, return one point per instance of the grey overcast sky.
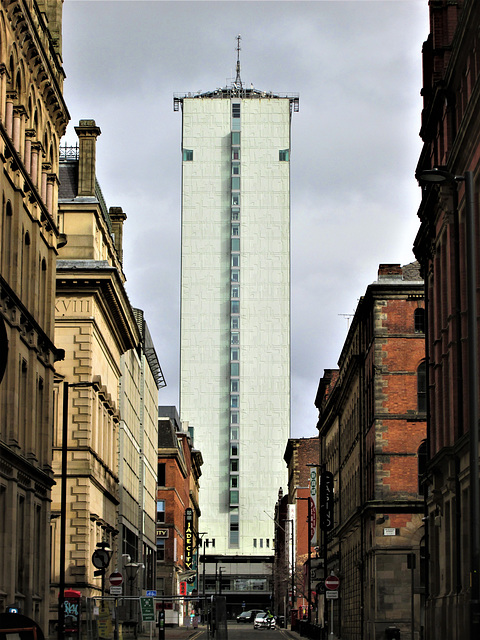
(357, 67)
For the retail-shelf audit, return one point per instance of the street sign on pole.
(332, 583)
(116, 591)
(148, 609)
(116, 579)
(331, 595)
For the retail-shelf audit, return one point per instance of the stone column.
(3, 90)
(11, 99)
(19, 118)
(37, 151)
(46, 167)
(52, 183)
(29, 135)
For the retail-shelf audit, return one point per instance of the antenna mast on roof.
(238, 81)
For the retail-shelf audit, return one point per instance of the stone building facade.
(141, 378)
(445, 246)
(111, 447)
(372, 426)
(33, 118)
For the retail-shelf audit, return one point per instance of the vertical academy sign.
(189, 539)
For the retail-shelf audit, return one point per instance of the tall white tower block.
(235, 320)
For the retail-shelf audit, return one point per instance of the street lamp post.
(309, 560)
(199, 544)
(131, 570)
(441, 176)
(63, 506)
(294, 563)
(220, 569)
(206, 543)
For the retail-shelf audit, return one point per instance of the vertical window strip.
(234, 495)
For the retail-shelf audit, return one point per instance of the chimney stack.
(389, 271)
(118, 217)
(87, 133)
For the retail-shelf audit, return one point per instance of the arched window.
(419, 320)
(422, 388)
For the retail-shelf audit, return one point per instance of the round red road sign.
(116, 579)
(332, 583)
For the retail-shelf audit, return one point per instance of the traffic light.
(183, 588)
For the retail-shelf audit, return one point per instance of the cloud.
(355, 144)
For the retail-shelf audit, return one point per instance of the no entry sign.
(116, 579)
(332, 583)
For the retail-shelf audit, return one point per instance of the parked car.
(263, 621)
(248, 616)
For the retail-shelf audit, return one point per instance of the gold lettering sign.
(189, 538)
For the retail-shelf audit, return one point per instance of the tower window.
(187, 155)
(284, 155)
(235, 138)
(234, 527)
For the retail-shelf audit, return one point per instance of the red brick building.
(291, 532)
(444, 246)
(178, 487)
(372, 424)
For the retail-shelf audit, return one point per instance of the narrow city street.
(235, 632)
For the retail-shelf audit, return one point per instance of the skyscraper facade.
(235, 321)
